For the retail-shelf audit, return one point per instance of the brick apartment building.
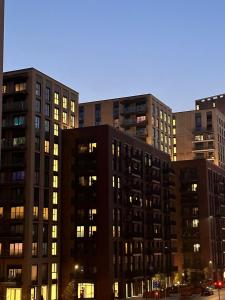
(118, 215)
(142, 116)
(200, 204)
(35, 110)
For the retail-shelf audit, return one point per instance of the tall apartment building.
(200, 197)
(35, 110)
(143, 116)
(118, 215)
(200, 133)
(1, 56)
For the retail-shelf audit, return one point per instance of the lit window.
(92, 230)
(4, 89)
(195, 223)
(174, 130)
(16, 249)
(34, 249)
(54, 271)
(86, 289)
(54, 292)
(92, 147)
(34, 272)
(46, 146)
(20, 87)
(140, 119)
(45, 213)
(92, 180)
(196, 247)
(194, 187)
(19, 120)
(54, 214)
(118, 231)
(80, 231)
(56, 98)
(1, 212)
(113, 181)
(56, 114)
(174, 122)
(113, 149)
(54, 231)
(56, 129)
(72, 121)
(55, 165)
(64, 117)
(161, 114)
(174, 150)
(35, 212)
(54, 248)
(197, 107)
(118, 182)
(55, 181)
(174, 141)
(17, 212)
(65, 102)
(116, 289)
(72, 106)
(92, 214)
(114, 231)
(17, 141)
(56, 150)
(55, 197)
(13, 293)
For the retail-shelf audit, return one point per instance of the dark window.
(47, 94)
(37, 106)
(97, 114)
(209, 120)
(38, 89)
(47, 125)
(47, 110)
(198, 121)
(37, 143)
(37, 122)
(81, 116)
(115, 109)
(19, 120)
(18, 175)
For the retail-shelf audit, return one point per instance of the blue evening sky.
(174, 49)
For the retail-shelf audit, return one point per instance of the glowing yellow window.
(72, 121)
(13, 293)
(87, 289)
(55, 165)
(174, 122)
(56, 150)
(54, 248)
(54, 292)
(64, 117)
(54, 271)
(54, 231)
(46, 146)
(34, 272)
(194, 187)
(1, 212)
(56, 129)
(16, 249)
(54, 214)
(17, 212)
(56, 113)
(55, 181)
(45, 213)
(35, 212)
(56, 98)
(92, 147)
(72, 106)
(65, 102)
(80, 231)
(55, 198)
(92, 230)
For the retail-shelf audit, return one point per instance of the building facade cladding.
(1, 55)
(199, 134)
(143, 116)
(200, 194)
(117, 214)
(35, 109)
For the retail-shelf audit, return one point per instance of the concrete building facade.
(142, 116)
(200, 208)
(117, 216)
(35, 110)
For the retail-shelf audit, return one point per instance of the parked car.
(207, 291)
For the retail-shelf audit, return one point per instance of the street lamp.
(76, 268)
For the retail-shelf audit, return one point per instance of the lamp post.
(76, 268)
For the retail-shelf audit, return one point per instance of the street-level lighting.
(76, 268)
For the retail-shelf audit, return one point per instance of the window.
(55, 197)
(47, 110)
(64, 117)
(1, 212)
(19, 141)
(80, 231)
(46, 146)
(13, 293)
(47, 94)
(56, 114)
(97, 114)
(196, 247)
(38, 89)
(54, 248)
(72, 121)
(54, 231)
(92, 230)
(47, 125)
(195, 223)
(17, 212)
(34, 272)
(55, 181)
(37, 122)
(14, 273)
(56, 98)
(20, 87)
(92, 180)
(54, 271)
(4, 89)
(198, 121)
(54, 214)
(56, 129)
(37, 143)
(55, 165)
(92, 147)
(35, 212)
(194, 187)
(54, 292)
(141, 119)
(19, 121)
(72, 106)
(18, 175)
(37, 106)
(34, 249)
(92, 214)
(87, 289)
(45, 213)
(65, 102)
(15, 249)
(56, 150)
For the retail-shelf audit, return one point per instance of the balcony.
(20, 106)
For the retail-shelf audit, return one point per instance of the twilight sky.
(174, 49)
